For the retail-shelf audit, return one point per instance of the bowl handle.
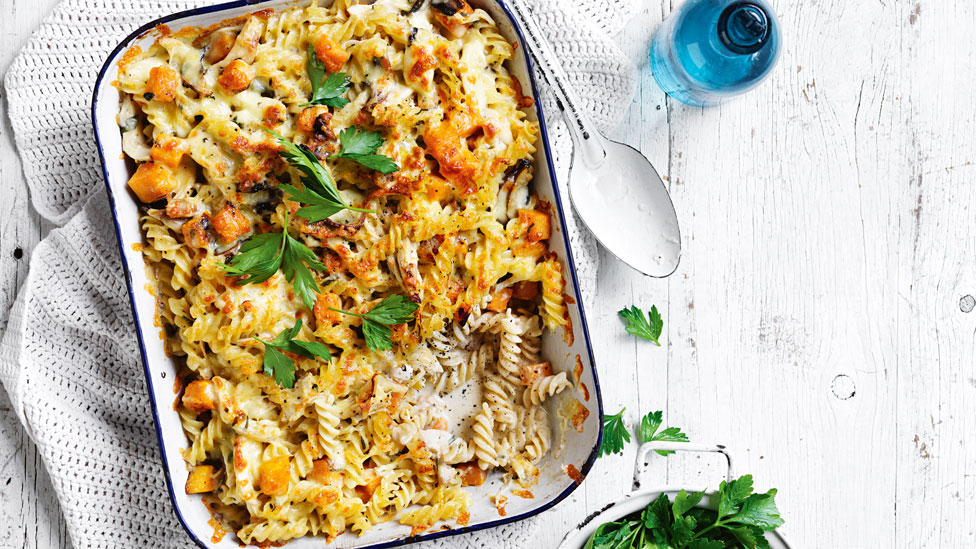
(640, 468)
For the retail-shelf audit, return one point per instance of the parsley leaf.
(325, 91)
(361, 146)
(639, 326)
(706, 544)
(262, 255)
(320, 192)
(615, 433)
(395, 309)
(684, 502)
(759, 510)
(648, 431)
(282, 368)
(279, 366)
(733, 494)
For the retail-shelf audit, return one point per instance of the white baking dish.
(580, 449)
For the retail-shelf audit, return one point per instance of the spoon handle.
(586, 138)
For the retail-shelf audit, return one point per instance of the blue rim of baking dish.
(587, 465)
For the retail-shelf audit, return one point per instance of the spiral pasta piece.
(545, 387)
(484, 438)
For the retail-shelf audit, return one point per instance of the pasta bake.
(349, 261)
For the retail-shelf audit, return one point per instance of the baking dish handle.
(640, 468)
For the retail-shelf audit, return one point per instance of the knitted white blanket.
(70, 360)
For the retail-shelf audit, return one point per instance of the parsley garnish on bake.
(282, 368)
(261, 256)
(320, 193)
(395, 309)
(326, 90)
(361, 146)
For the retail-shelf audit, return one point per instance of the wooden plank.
(933, 379)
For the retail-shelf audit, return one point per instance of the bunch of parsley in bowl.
(740, 518)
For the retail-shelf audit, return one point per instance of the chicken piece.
(220, 45)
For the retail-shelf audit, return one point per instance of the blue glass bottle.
(709, 50)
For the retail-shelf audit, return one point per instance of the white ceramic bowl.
(580, 449)
(635, 502)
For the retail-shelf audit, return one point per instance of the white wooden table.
(819, 322)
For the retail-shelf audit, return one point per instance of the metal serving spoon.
(617, 192)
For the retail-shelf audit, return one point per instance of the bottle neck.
(744, 27)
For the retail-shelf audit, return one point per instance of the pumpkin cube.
(532, 372)
(152, 181)
(236, 76)
(162, 84)
(200, 396)
(230, 223)
(330, 53)
(200, 480)
(168, 150)
(273, 476)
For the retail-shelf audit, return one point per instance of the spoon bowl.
(626, 206)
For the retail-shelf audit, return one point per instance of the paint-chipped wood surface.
(821, 322)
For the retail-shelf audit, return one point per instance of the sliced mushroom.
(190, 62)
(514, 194)
(520, 196)
(448, 7)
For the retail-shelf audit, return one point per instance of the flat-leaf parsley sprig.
(262, 255)
(647, 328)
(395, 309)
(648, 431)
(320, 192)
(278, 365)
(325, 91)
(616, 434)
(361, 146)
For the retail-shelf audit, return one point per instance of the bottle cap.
(743, 27)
